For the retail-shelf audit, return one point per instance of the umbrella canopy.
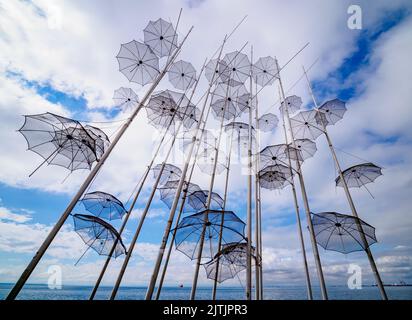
(98, 235)
(228, 101)
(189, 232)
(198, 200)
(237, 64)
(138, 62)
(268, 122)
(125, 98)
(101, 139)
(213, 71)
(169, 173)
(305, 149)
(168, 193)
(161, 37)
(59, 141)
(265, 71)
(341, 232)
(206, 161)
(359, 175)
(103, 205)
(273, 155)
(293, 103)
(206, 140)
(182, 75)
(332, 111)
(305, 125)
(274, 177)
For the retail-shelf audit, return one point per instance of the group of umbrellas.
(205, 230)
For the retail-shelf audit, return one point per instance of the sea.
(42, 292)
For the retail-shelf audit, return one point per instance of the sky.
(59, 57)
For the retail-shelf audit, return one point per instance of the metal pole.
(299, 224)
(306, 203)
(249, 200)
(122, 227)
(155, 273)
(350, 200)
(223, 216)
(46, 243)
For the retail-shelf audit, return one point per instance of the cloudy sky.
(59, 56)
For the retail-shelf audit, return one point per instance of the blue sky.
(352, 66)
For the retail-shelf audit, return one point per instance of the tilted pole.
(295, 202)
(52, 234)
(349, 198)
(305, 201)
(172, 212)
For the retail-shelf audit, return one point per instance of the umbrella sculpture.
(240, 131)
(168, 193)
(190, 228)
(206, 139)
(103, 205)
(182, 75)
(169, 173)
(59, 141)
(274, 177)
(305, 125)
(293, 104)
(341, 232)
(275, 154)
(161, 37)
(98, 234)
(304, 148)
(359, 175)
(125, 98)
(206, 161)
(138, 62)
(237, 64)
(101, 140)
(268, 122)
(331, 112)
(265, 71)
(198, 200)
(228, 262)
(228, 101)
(213, 68)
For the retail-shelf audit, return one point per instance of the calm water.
(33, 292)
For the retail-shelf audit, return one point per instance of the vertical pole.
(305, 202)
(249, 199)
(165, 238)
(349, 198)
(298, 222)
(52, 234)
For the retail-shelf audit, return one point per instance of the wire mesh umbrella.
(305, 149)
(98, 235)
(101, 139)
(359, 175)
(212, 70)
(59, 141)
(182, 75)
(228, 262)
(125, 98)
(268, 122)
(206, 160)
(292, 102)
(237, 64)
(206, 139)
(305, 125)
(161, 37)
(228, 101)
(189, 232)
(331, 111)
(198, 200)
(103, 205)
(168, 193)
(169, 173)
(265, 71)
(273, 155)
(138, 62)
(342, 233)
(274, 177)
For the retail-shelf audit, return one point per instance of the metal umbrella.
(265, 71)
(98, 235)
(274, 154)
(182, 75)
(331, 111)
(268, 122)
(103, 205)
(168, 193)
(169, 172)
(305, 125)
(206, 140)
(212, 69)
(228, 101)
(161, 37)
(305, 149)
(138, 62)
(342, 233)
(293, 104)
(274, 177)
(206, 161)
(237, 64)
(189, 231)
(359, 175)
(59, 141)
(198, 200)
(101, 139)
(125, 98)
